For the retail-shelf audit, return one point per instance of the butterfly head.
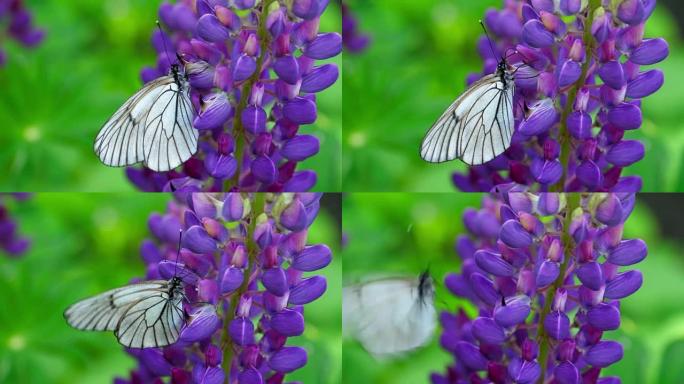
(175, 286)
(426, 287)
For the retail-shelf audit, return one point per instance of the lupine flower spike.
(243, 261)
(252, 69)
(547, 273)
(582, 85)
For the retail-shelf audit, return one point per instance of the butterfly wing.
(169, 137)
(104, 311)
(476, 128)
(154, 321)
(120, 141)
(388, 317)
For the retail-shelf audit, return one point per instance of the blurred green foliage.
(402, 234)
(416, 65)
(55, 98)
(87, 243)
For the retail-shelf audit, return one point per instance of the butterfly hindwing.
(170, 139)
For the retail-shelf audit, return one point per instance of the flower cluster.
(19, 23)
(545, 272)
(10, 241)
(354, 41)
(242, 261)
(249, 120)
(582, 82)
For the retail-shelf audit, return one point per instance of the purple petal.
(604, 353)
(623, 285)
(320, 78)
(288, 323)
(300, 147)
(557, 325)
(210, 29)
(591, 275)
(650, 51)
(514, 235)
(612, 74)
(312, 258)
(625, 153)
(288, 359)
(308, 290)
(536, 35)
(324, 46)
(645, 84)
(493, 263)
(241, 331)
(604, 317)
(300, 111)
(628, 252)
(488, 331)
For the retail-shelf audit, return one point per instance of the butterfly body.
(144, 315)
(153, 127)
(390, 317)
(478, 126)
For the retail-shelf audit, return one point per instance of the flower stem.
(238, 129)
(252, 252)
(573, 201)
(588, 42)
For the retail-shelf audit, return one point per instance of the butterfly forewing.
(477, 127)
(143, 315)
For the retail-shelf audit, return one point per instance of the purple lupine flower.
(547, 272)
(19, 23)
(253, 72)
(243, 261)
(582, 80)
(11, 242)
(354, 41)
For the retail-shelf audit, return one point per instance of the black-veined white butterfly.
(390, 316)
(153, 127)
(478, 126)
(144, 315)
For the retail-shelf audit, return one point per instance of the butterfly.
(143, 315)
(153, 127)
(391, 316)
(478, 126)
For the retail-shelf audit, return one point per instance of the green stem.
(573, 201)
(252, 253)
(564, 136)
(238, 129)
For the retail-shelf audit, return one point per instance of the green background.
(55, 98)
(404, 233)
(88, 243)
(416, 65)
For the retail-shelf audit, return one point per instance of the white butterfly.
(390, 316)
(478, 126)
(154, 126)
(144, 315)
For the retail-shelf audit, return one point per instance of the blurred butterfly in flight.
(391, 316)
(153, 127)
(479, 125)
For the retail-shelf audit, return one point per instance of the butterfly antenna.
(489, 39)
(166, 47)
